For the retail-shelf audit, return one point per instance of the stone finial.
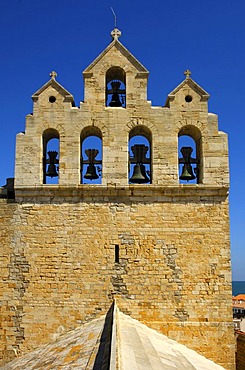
(187, 73)
(53, 75)
(116, 33)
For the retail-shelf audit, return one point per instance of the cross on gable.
(187, 73)
(116, 33)
(53, 75)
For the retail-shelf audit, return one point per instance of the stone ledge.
(136, 193)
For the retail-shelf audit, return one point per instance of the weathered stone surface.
(76, 349)
(240, 351)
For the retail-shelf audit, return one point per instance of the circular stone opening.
(188, 98)
(52, 99)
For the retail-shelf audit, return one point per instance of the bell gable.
(51, 91)
(115, 64)
(188, 95)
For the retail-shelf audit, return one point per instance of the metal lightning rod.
(115, 18)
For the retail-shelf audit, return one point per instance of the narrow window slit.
(116, 253)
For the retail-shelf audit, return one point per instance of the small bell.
(187, 173)
(91, 173)
(139, 175)
(52, 171)
(115, 100)
(52, 161)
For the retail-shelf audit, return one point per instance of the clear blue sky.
(206, 36)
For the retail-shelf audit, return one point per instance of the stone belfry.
(117, 199)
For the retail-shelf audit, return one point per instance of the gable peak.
(115, 43)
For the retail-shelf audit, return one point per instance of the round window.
(52, 99)
(188, 98)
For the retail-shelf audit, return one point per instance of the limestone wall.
(240, 351)
(12, 282)
(173, 272)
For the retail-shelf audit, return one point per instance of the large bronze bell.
(139, 175)
(91, 172)
(52, 170)
(187, 173)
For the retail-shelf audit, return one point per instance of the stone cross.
(187, 73)
(53, 75)
(116, 33)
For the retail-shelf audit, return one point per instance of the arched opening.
(189, 153)
(115, 87)
(51, 144)
(91, 155)
(139, 149)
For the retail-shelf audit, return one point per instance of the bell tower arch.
(50, 155)
(140, 166)
(115, 78)
(115, 87)
(190, 154)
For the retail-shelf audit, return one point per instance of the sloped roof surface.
(189, 81)
(114, 341)
(143, 348)
(239, 297)
(75, 350)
